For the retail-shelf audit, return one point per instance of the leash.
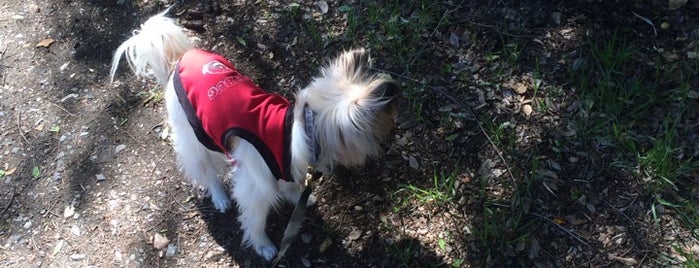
(294, 225)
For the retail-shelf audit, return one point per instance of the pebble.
(413, 162)
(171, 250)
(117, 256)
(322, 6)
(75, 230)
(100, 177)
(120, 148)
(77, 257)
(15, 238)
(306, 262)
(68, 212)
(306, 238)
(354, 234)
(160, 241)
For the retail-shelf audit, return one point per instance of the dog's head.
(354, 109)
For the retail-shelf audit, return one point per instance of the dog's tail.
(159, 44)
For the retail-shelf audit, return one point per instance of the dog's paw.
(221, 201)
(221, 205)
(266, 251)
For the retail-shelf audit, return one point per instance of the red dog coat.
(220, 102)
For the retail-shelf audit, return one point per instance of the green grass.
(155, 95)
(502, 133)
(390, 28)
(639, 119)
(500, 230)
(692, 261)
(401, 36)
(442, 190)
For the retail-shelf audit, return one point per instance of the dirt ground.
(90, 178)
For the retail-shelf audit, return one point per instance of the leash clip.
(297, 217)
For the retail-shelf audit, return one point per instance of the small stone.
(64, 66)
(160, 241)
(354, 234)
(120, 148)
(15, 238)
(322, 6)
(77, 257)
(165, 133)
(75, 230)
(68, 212)
(454, 40)
(306, 238)
(27, 225)
(413, 162)
(171, 250)
(358, 208)
(591, 208)
(527, 109)
(100, 177)
(118, 257)
(306, 262)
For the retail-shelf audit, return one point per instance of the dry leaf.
(559, 221)
(625, 261)
(46, 42)
(11, 171)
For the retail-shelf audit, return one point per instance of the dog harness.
(220, 102)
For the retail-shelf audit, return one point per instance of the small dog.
(221, 121)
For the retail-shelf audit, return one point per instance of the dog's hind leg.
(200, 165)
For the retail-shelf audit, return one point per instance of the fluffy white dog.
(220, 118)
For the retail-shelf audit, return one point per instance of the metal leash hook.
(294, 225)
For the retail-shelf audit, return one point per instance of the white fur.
(350, 122)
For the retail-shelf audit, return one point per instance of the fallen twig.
(19, 129)
(569, 232)
(649, 22)
(160, 160)
(62, 109)
(9, 203)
